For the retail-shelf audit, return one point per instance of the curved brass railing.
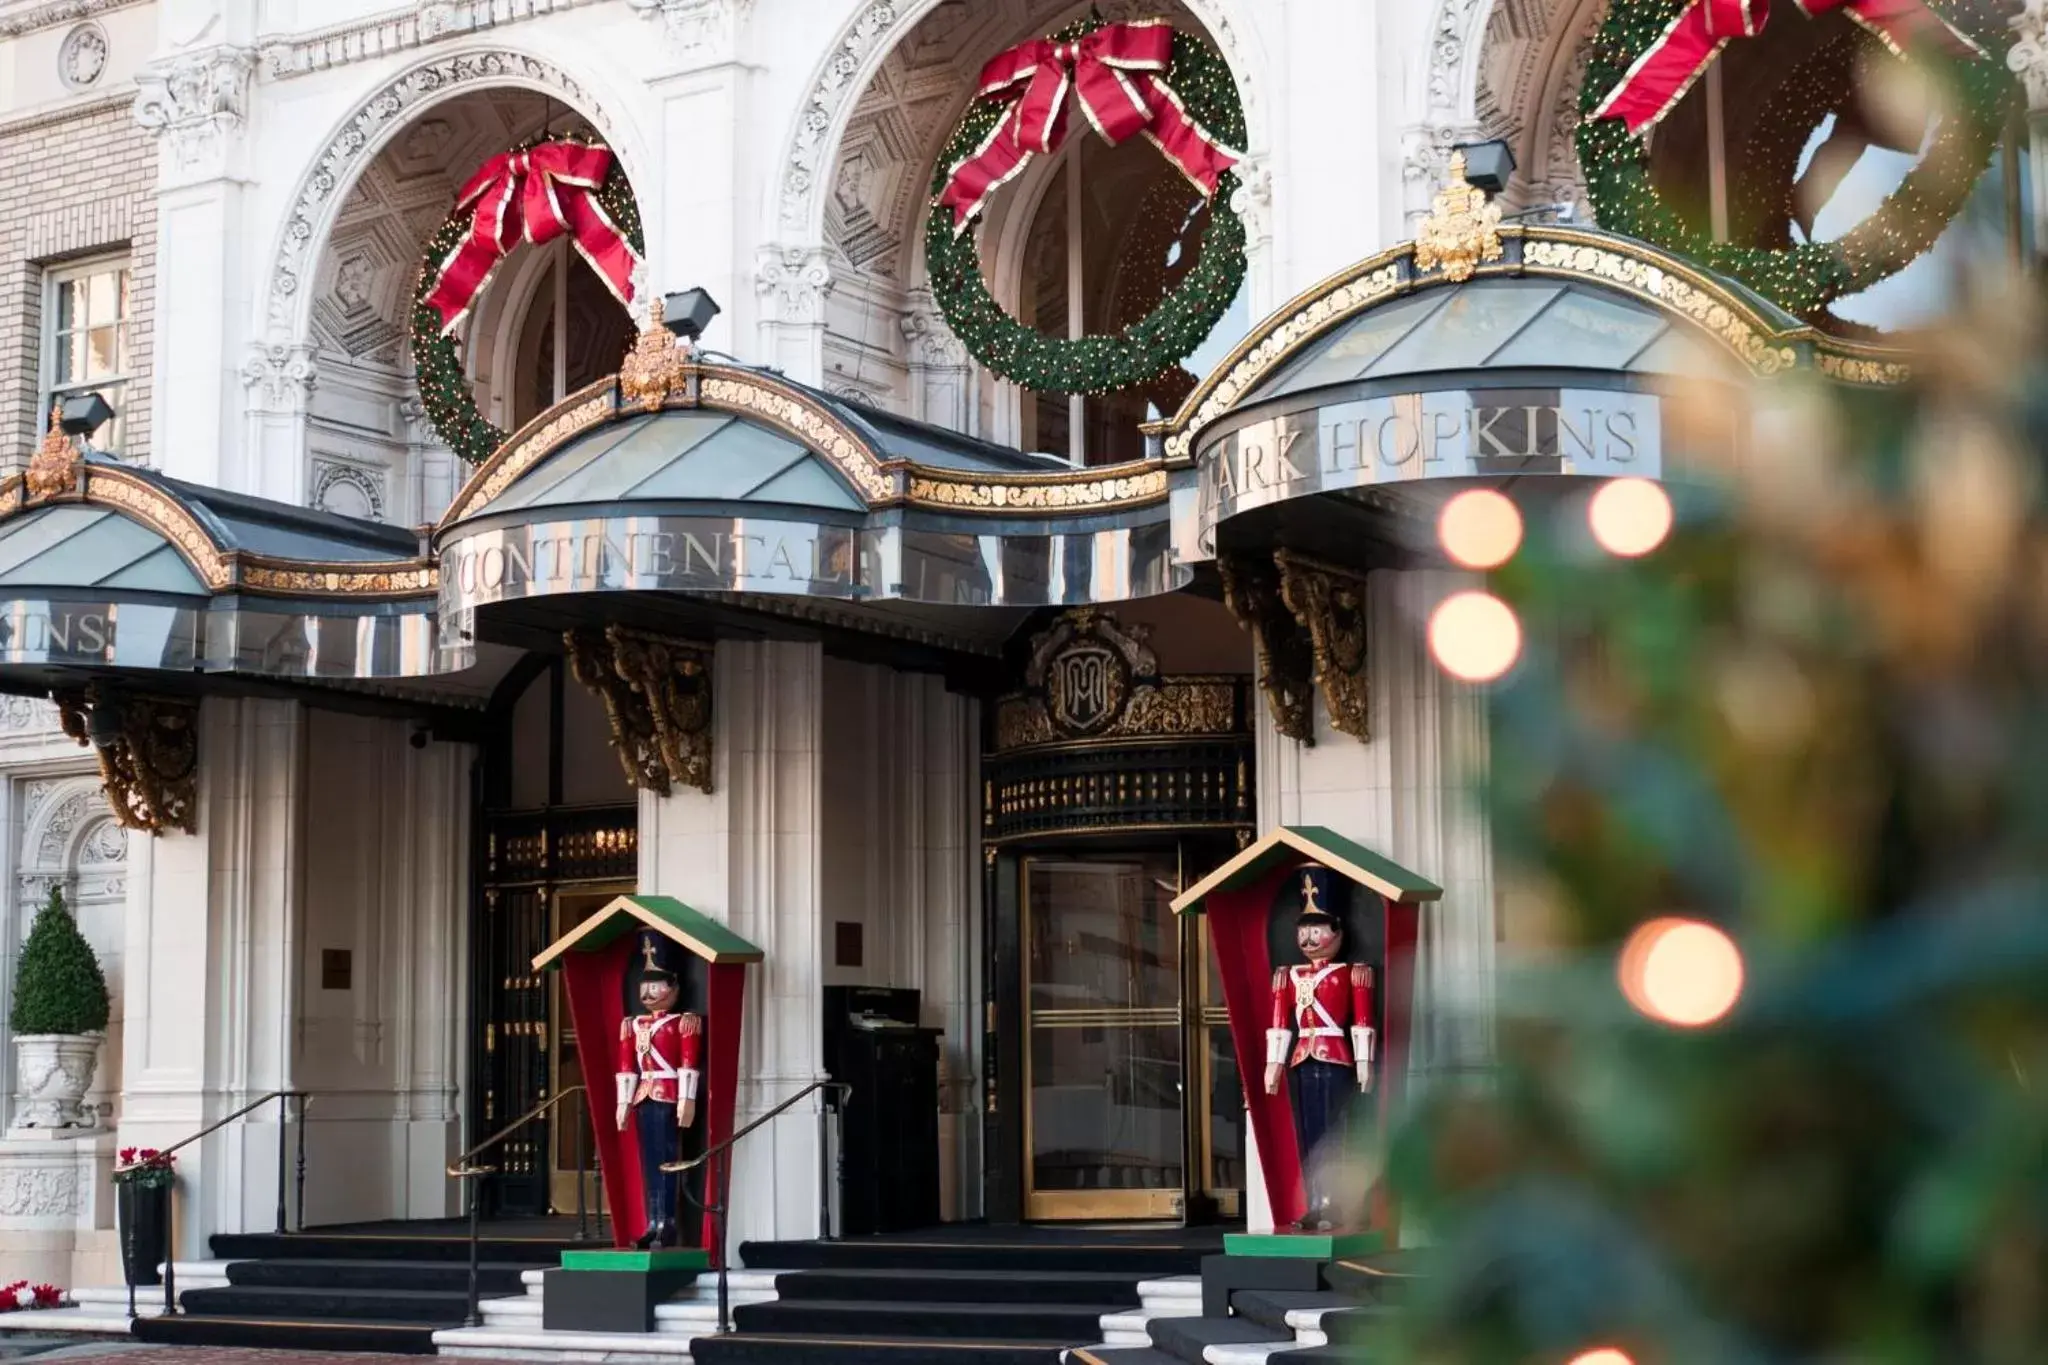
(466, 1169)
(723, 1149)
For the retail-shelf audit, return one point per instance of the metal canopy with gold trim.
(1479, 351)
(733, 484)
(108, 566)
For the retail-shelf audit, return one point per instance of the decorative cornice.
(1084, 490)
(69, 111)
(59, 12)
(420, 23)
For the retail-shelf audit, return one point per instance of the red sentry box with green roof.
(1239, 898)
(594, 958)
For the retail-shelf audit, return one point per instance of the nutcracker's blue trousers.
(1321, 1092)
(660, 1141)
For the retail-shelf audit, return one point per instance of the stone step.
(497, 1343)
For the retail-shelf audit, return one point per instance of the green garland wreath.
(437, 359)
(1806, 278)
(1148, 347)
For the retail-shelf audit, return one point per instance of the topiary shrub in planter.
(58, 1019)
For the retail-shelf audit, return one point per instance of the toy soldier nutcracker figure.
(659, 1051)
(1324, 1008)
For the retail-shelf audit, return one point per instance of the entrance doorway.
(1126, 1087)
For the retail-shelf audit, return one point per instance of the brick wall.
(79, 181)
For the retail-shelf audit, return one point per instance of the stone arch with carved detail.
(398, 104)
(64, 835)
(841, 278)
(340, 292)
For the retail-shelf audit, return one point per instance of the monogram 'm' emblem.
(1087, 688)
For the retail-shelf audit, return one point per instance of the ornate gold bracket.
(657, 692)
(53, 469)
(1286, 658)
(149, 754)
(1330, 604)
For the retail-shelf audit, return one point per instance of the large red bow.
(1661, 76)
(1118, 74)
(533, 196)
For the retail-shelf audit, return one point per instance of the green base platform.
(1319, 1246)
(678, 1258)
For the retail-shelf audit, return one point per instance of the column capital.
(196, 103)
(697, 32)
(279, 378)
(930, 338)
(793, 282)
(2028, 57)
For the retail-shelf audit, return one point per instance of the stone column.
(941, 375)
(2028, 57)
(211, 989)
(748, 854)
(1410, 794)
(196, 97)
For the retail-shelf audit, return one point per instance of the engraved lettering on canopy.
(1440, 434)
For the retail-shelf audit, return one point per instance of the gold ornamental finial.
(53, 469)
(1463, 227)
(657, 366)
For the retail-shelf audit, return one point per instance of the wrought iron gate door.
(528, 857)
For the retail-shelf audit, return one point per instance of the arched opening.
(1773, 146)
(544, 325)
(1114, 230)
(1086, 241)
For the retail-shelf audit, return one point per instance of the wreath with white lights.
(1194, 93)
(589, 196)
(1804, 278)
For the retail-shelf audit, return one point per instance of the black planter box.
(145, 1216)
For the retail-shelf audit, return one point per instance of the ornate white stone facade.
(781, 154)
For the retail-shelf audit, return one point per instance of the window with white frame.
(87, 339)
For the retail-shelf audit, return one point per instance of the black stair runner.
(992, 1297)
(1355, 1309)
(331, 1290)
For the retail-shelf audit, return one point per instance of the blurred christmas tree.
(1811, 1124)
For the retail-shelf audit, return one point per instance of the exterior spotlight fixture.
(103, 720)
(81, 414)
(1488, 165)
(687, 314)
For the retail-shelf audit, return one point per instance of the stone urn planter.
(59, 1015)
(52, 1072)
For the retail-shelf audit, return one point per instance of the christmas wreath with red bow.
(1648, 53)
(531, 194)
(1129, 79)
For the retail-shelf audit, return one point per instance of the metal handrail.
(464, 1169)
(724, 1149)
(283, 1098)
(460, 1169)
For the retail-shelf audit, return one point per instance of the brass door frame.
(1065, 1205)
(561, 1033)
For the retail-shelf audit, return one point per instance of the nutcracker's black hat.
(1316, 904)
(657, 957)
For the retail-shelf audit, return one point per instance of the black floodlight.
(1488, 165)
(687, 314)
(84, 413)
(103, 722)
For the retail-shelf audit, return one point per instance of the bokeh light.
(1480, 528)
(1604, 1355)
(1681, 972)
(1475, 636)
(1630, 517)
